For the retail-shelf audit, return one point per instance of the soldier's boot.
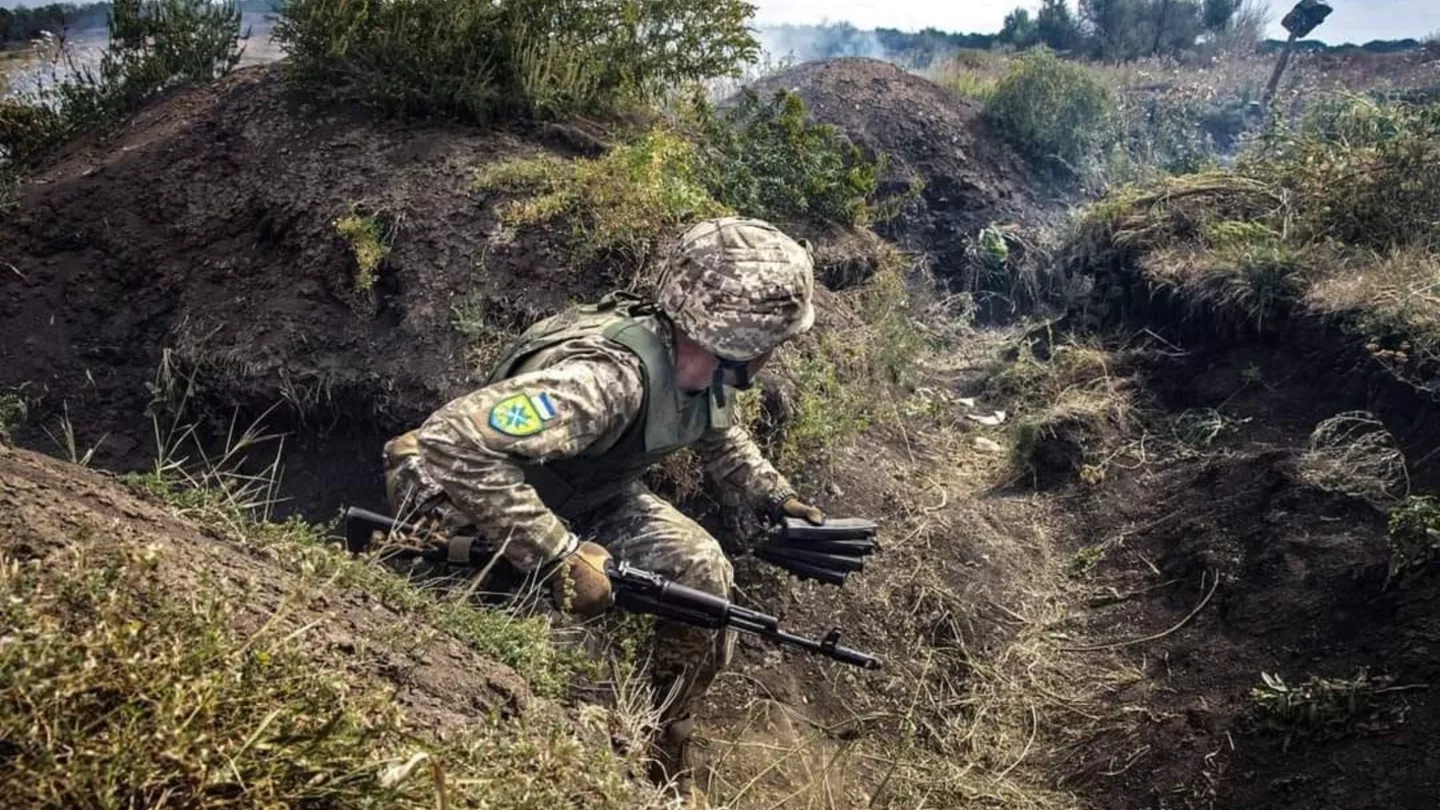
(673, 762)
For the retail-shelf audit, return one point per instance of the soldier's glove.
(796, 508)
(581, 585)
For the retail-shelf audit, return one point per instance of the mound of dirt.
(202, 238)
(47, 506)
(972, 178)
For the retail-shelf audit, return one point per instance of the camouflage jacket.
(579, 397)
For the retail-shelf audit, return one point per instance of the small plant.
(1319, 708)
(1202, 427)
(369, 243)
(1414, 536)
(1353, 454)
(12, 410)
(1086, 559)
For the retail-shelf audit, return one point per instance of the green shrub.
(155, 46)
(1320, 708)
(1054, 112)
(475, 60)
(766, 158)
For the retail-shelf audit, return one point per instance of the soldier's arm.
(475, 445)
(733, 461)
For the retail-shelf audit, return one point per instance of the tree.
(1113, 27)
(1019, 30)
(1057, 27)
(1172, 25)
(1218, 14)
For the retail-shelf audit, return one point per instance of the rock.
(985, 445)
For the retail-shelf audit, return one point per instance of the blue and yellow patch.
(522, 414)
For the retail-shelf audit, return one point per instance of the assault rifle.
(635, 590)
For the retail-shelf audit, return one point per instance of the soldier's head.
(735, 289)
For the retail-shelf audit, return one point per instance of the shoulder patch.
(522, 414)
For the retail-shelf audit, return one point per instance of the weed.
(155, 45)
(12, 410)
(1354, 454)
(851, 376)
(1414, 536)
(184, 711)
(1319, 708)
(66, 442)
(1201, 428)
(369, 241)
(1086, 559)
(1368, 172)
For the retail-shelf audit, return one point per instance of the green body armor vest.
(669, 420)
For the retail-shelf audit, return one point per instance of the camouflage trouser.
(636, 526)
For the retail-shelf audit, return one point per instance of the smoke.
(806, 43)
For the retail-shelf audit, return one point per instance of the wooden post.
(1279, 69)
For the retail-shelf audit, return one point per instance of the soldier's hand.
(581, 585)
(796, 508)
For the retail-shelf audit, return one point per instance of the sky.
(1353, 21)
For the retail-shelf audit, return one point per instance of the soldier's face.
(694, 367)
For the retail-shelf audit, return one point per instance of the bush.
(155, 46)
(1054, 112)
(475, 60)
(765, 158)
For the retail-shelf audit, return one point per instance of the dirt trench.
(175, 246)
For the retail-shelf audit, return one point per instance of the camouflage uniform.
(578, 409)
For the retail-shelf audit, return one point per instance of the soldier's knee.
(710, 570)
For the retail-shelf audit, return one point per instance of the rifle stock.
(641, 591)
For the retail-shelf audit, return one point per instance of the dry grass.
(968, 603)
(1353, 454)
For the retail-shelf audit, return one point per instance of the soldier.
(546, 460)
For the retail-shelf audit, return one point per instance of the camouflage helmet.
(738, 287)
